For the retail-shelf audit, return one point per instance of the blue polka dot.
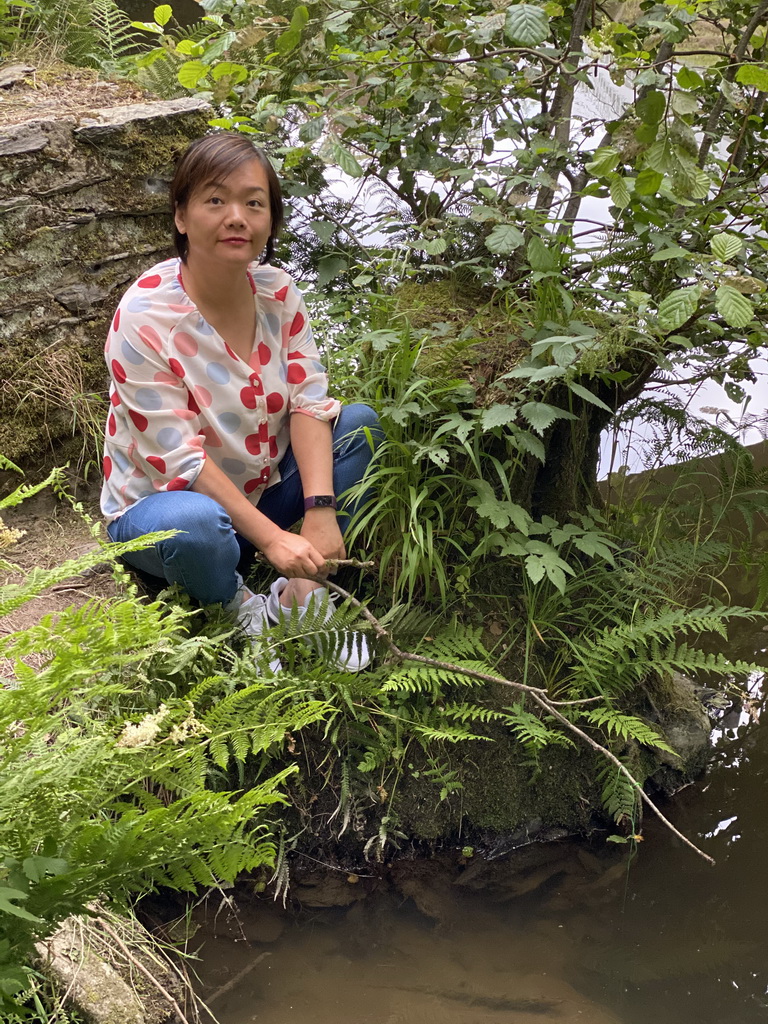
(282, 371)
(315, 392)
(148, 398)
(146, 493)
(219, 374)
(233, 466)
(120, 460)
(318, 366)
(169, 438)
(130, 354)
(273, 323)
(140, 304)
(229, 422)
(110, 505)
(204, 327)
(188, 465)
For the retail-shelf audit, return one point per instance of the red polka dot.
(273, 447)
(265, 353)
(297, 325)
(107, 467)
(250, 485)
(178, 484)
(275, 402)
(115, 399)
(253, 444)
(116, 321)
(203, 396)
(112, 425)
(176, 367)
(248, 397)
(150, 282)
(280, 295)
(211, 437)
(230, 352)
(192, 404)
(150, 337)
(140, 422)
(296, 374)
(263, 433)
(157, 463)
(118, 372)
(185, 414)
(296, 355)
(161, 377)
(185, 343)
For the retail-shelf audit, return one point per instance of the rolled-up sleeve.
(154, 418)
(306, 376)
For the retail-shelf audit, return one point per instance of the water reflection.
(579, 934)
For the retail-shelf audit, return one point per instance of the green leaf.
(659, 157)
(689, 79)
(587, 396)
(604, 161)
(312, 129)
(648, 182)
(541, 416)
(147, 26)
(8, 896)
(526, 25)
(324, 229)
(433, 246)
(546, 561)
(678, 307)
(163, 14)
(332, 152)
(188, 47)
(498, 415)
(620, 194)
(726, 246)
(735, 308)
(753, 74)
(683, 103)
(541, 257)
(329, 268)
(672, 252)
(236, 71)
(190, 73)
(504, 238)
(650, 109)
(291, 38)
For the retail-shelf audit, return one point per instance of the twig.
(538, 694)
(237, 978)
(144, 970)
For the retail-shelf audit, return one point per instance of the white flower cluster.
(141, 734)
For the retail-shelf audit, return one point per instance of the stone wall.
(83, 209)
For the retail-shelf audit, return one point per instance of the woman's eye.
(215, 200)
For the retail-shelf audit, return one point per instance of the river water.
(602, 937)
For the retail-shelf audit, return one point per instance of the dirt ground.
(39, 90)
(53, 533)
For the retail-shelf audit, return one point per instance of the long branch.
(538, 694)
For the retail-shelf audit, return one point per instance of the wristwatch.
(320, 501)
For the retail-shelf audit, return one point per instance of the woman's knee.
(358, 422)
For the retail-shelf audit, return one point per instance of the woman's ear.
(178, 219)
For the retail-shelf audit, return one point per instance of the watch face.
(324, 501)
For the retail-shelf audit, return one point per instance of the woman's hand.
(321, 529)
(294, 555)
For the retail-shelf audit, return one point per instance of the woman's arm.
(291, 554)
(311, 446)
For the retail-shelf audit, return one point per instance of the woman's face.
(228, 221)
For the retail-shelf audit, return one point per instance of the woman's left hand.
(321, 529)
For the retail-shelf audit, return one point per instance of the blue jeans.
(204, 557)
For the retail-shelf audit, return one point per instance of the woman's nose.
(235, 214)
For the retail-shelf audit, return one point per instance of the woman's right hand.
(293, 555)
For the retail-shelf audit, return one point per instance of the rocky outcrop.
(83, 209)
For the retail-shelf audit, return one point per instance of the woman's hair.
(214, 158)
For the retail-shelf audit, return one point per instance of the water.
(598, 938)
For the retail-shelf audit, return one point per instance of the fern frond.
(626, 727)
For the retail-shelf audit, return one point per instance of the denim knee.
(350, 426)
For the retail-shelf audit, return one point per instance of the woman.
(221, 425)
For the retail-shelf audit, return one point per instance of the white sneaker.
(251, 617)
(353, 655)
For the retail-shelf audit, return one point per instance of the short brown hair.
(215, 156)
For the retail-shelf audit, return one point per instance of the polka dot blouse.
(180, 394)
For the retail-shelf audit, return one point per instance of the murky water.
(599, 938)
